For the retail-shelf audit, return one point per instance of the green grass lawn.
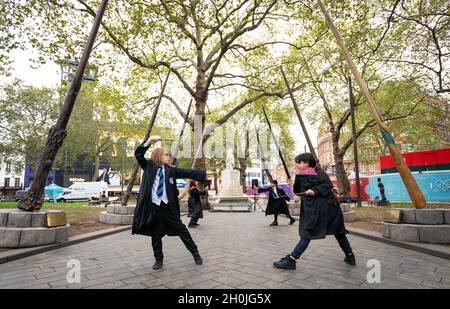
(74, 211)
(47, 205)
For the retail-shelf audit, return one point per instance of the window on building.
(372, 168)
(17, 182)
(6, 182)
(8, 167)
(363, 168)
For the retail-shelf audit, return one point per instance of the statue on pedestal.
(384, 201)
(229, 161)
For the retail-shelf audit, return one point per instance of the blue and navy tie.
(159, 191)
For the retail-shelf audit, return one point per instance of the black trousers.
(194, 220)
(168, 221)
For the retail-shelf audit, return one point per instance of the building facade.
(326, 158)
(11, 175)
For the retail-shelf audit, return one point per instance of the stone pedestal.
(184, 206)
(117, 214)
(417, 225)
(233, 207)
(349, 215)
(231, 188)
(231, 197)
(21, 229)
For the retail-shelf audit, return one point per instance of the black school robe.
(195, 204)
(144, 214)
(320, 215)
(278, 205)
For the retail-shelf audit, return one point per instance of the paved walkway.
(238, 250)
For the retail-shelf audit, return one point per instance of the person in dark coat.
(276, 203)
(194, 204)
(157, 210)
(320, 213)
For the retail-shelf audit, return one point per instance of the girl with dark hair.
(320, 213)
(194, 204)
(276, 203)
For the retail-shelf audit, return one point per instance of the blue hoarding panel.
(435, 186)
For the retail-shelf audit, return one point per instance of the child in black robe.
(157, 210)
(276, 203)
(195, 204)
(320, 213)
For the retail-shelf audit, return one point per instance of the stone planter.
(349, 215)
(21, 229)
(117, 214)
(417, 225)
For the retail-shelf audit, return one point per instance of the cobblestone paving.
(238, 250)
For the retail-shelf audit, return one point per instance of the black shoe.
(192, 225)
(196, 224)
(292, 221)
(198, 259)
(158, 264)
(274, 223)
(285, 263)
(350, 259)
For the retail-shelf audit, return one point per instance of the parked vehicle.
(20, 194)
(83, 191)
(181, 183)
(7, 197)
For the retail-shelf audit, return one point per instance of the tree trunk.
(242, 168)
(97, 164)
(199, 133)
(243, 163)
(35, 196)
(341, 176)
(128, 192)
(343, 185)
(215, 182)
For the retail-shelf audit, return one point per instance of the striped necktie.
(159, 191)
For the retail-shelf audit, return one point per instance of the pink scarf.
(306, 171)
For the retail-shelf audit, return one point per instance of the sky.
(47, 75)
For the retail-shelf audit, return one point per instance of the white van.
(83, 191)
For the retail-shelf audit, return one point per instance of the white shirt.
(155, 198)
(275, 193)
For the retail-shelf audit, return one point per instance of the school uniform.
(157, 210)
(276, 204)
(195, 205)
(320, 215)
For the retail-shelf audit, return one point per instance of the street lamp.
(354, 138)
